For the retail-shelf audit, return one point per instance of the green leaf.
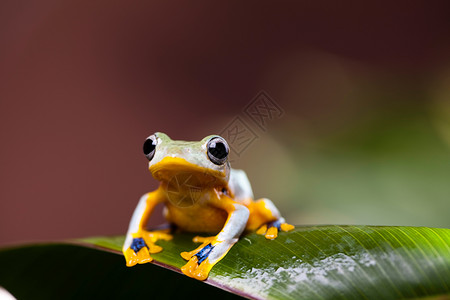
(318, 262)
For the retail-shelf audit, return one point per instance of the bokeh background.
(365, 88)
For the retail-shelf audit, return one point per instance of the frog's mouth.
(175, 170)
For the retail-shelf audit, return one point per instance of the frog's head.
(206, 160)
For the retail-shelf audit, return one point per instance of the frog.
(202, 194)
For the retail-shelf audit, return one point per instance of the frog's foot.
(270, 230)
(143, 245)
(202, 259)
(198, 239)
(137, 253)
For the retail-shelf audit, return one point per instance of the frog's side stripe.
(138, 244)
(204, 253)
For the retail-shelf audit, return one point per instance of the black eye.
(150, 146)
(218, 150)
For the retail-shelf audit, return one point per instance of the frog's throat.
(169, 167)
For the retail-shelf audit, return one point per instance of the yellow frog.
(201, 193)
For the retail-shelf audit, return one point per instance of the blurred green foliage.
(389, 167)
(392, 172)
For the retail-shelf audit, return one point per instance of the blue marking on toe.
(204, 253)
(276, 224)
(138, 244)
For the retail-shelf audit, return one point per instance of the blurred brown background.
(364, 138)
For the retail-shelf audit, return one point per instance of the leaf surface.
(312, 262)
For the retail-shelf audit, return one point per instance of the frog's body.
(210, 219)
(201, 194)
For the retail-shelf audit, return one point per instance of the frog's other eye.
(150, 146)
(218, 150)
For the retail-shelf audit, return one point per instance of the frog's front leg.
(139, 243)
(213, 249)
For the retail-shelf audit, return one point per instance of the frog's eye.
(150, 146)
(218, 150)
